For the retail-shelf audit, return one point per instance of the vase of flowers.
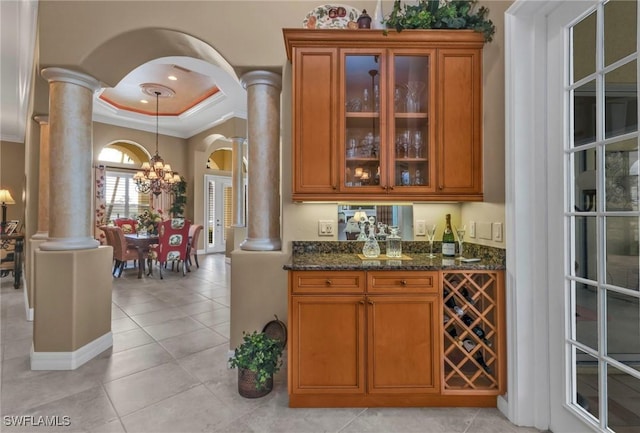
(149, 220)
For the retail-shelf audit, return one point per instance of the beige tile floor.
(167, 372)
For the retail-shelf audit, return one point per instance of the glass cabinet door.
(412, 147)
(387, 140)
(364, 103)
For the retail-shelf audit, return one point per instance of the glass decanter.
(371, 249)
(394, 243)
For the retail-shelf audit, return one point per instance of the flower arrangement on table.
(150, 219)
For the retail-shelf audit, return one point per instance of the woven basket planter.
(247, 384)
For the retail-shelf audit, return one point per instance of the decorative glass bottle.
(371, 249)
(394, 243)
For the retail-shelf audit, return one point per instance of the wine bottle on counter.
(448, 240)
(451, 303)
(476, 329)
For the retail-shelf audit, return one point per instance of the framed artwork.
(12, 226)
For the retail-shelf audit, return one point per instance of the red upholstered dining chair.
(122, 252)
(128, 225)
(108, 237)
(173, 239)
(194, 235)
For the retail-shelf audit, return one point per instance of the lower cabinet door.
(403, 344)
(328, 347)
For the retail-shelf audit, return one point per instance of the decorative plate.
(332, 17)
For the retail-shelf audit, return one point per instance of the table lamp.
(5, 199)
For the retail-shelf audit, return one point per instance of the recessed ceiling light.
(172, 77)
(144, 101)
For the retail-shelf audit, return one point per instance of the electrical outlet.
(421, 228)
(325, 228)
(497, 232)
(472, 229)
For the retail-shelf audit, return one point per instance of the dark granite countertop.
(343, 256)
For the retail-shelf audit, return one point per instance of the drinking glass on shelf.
(431, 235)
(460, 232)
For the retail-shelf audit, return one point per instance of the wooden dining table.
(142, 243)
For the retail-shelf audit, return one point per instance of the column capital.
(69, 76)
(261, 77)
(42, 119)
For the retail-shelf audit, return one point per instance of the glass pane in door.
(411, 121)
(362, 120)
(623, 393)
(621, 27)
(623, 326)
(587, 387)
(621, 100)
(622, 252)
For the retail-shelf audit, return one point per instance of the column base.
(70, 360)
(270, 244)
(73, 306)
(68, 244)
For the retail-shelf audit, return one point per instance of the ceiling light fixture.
(155, 176)
(172, 77)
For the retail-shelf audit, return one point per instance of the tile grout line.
(352, 419)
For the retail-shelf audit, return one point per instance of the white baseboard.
(70, 360)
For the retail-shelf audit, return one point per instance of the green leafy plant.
(431, 14)
(179, 198)
(260, 354)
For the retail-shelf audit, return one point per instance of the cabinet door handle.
(403, 282)
(391, 188)
(361, 302)
(328, 282)
(334, 187)
(370, 301)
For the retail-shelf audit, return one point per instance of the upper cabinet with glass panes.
(395, 117)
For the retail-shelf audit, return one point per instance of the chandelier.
(155, 176)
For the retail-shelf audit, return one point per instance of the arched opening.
(118, 163)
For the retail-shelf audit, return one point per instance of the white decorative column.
(43, 179)
(263, 124)
(236, 181)
(71, 157)
(73, 282)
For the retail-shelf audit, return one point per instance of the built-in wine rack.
(473, 324)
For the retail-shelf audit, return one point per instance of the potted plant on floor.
(257, 360)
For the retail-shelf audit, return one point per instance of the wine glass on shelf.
(414, 90)
(460, 232)
(431, 235)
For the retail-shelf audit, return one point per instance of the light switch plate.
(421, 228)
(325, 228)
(497, 232)
(472, 229)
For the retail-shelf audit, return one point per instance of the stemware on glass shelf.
(414, 90)
(431, 235)
(460, 232)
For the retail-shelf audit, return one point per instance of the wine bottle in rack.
(448, 240)
(476, 329)
(452, 331)
(451, 303)
(469, 346)
(465, 294)
(484, 365)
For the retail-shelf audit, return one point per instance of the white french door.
(592, 150)
(218, 202)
